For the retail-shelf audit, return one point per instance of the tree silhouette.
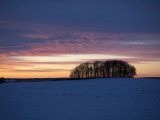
(101, 69)
(2, 80)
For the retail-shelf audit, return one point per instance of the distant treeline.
(101, 69)
(2, 80)
(10, 80)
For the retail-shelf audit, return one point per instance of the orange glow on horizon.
(62, 74)
(59, 66)
(150, 69)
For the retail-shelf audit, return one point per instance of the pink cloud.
(43, 36)
(89, 43)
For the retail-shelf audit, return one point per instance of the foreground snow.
(97, 99)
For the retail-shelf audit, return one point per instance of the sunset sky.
(48, 38)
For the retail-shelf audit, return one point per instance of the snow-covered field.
(94, 99)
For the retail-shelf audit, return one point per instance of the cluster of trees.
(2, 80)
(101, 69)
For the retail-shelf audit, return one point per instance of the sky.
(48, 38)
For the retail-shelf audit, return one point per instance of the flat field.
(93, 99)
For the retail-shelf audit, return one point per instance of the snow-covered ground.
(94, 99)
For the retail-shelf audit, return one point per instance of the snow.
(94, 99)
